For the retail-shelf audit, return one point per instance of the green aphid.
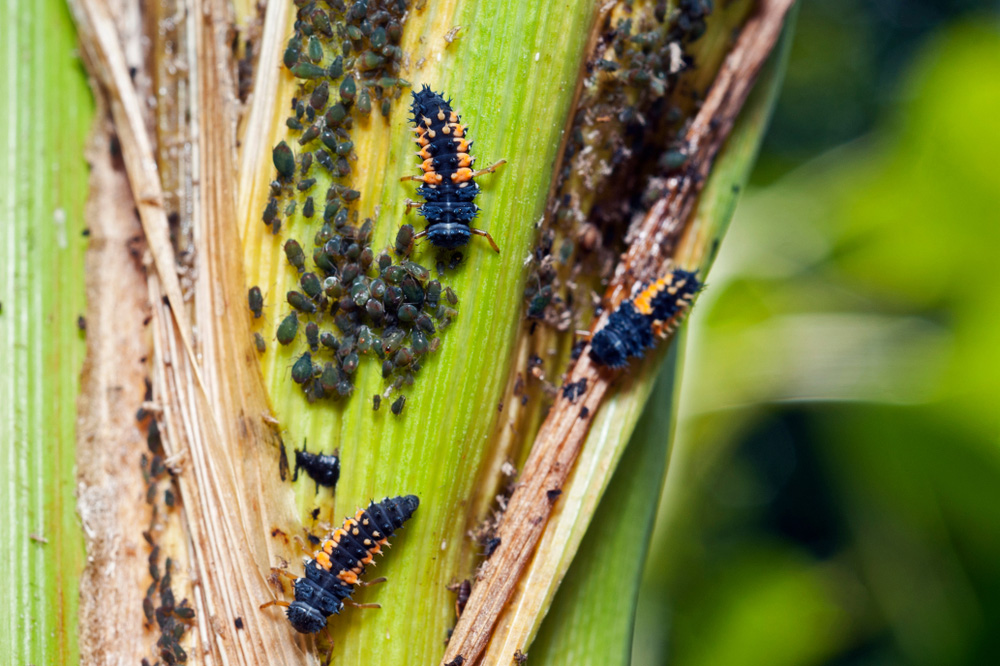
(293, 252)
(302, 370)
(290, 208)
(348, 90)
(384, 261)
(375, 310)
(329, 139)
(308, 208)
(321, 22)
(293, 124)
(350, 195)
(364, 339)
(307, 70)
(403, 358)
(392, 340)
(332, 287)
(320, 95)
(425, 324)
(354, 32)
(353, 251)
(349, 272)
(284, 160)
(360, 294)
(541, 300)
(370, 60)
(324, 234)
(394, 31)
(324, 158)
(287, 329)
(416, 270)
(394, 274)
(329, 378)
(393, 298)
(276, 226)
(258, 341)
(378, 37)
(256, 301)
(386, 108)
(344, 149)
(293, 51)
(364, 103)
(312, 335)
(432, 294)
(387, 369)
(412, 291)
(306, 162)
(341, 218)
(343, 167)
(311, 285)
(315, 49)
(404, 239)
(367, 258)
(300, 302)
(350, 363)
(345, 388)
(305, 184)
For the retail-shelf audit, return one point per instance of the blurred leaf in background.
(834, 492)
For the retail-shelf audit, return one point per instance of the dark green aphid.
(293, 124)
(353, 251)
(333, 246)
(350, 195)
(256, 300)
(416, 270)
(412, 291)
(377, 288)
(311, 285)
(314, 389)
(394, 274)
(321, 22)
(350, 272)
(287, 329)
(354, 32)
(541, 300)
(394, 31)
(403, 357)
(345, 388)
(307, 70)
(407, 313)
(392, 339)
(329, 340)
(386, 108)
(348, 91)
(332, 287)
(378, 37)
(360, 294)
(258, 341)
(329, 378)
(292, 52)
(323, 261)
(306, 162)
(364, 103)
(302, 370)
(284, 160)
(309, 135)
(344, 149)
(375, 310)
(290, 208)
(387, 369)
(330, 212)
(324, 158)
(305, 184)
(275, 188)
(312, 335)
(350, 363)
(336, 69)
(345, 322)
(376, 402)
(310, 114)
(425, 324)
(335, 115)
(370, 60)
(397, 406)
(315, 49)
(324, 234)
(432, 294)
(276, 226)
(393, 298)
(319, 96)
(300, 302)
(300, 110)
(420, 342)
(329, 139)
(293, 252)
(366, 258)
(384, 261)
(308, 208)
(270, 211)
(404, 239)
(672, 160)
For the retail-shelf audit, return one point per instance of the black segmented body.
(321, 468)
(332, 573)
(448, 187)
(635, 325)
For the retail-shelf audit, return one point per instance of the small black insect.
(334, 570)
(448, 187)
(635, 325)
(256, 300)
(321, 468)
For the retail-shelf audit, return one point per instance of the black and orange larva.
(448, 187)
(654, 312)
(335, 568)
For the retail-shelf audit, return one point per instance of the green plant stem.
(44, 121)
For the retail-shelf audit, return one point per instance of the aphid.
(293, 252)
(256, 300)
(321, 468)
(654, 312)
(397, 406)
(287, 329)
(448, 187)
(312, 335)
(258, 341)
(334, 570)
(300, 302)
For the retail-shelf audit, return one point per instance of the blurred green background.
(834, 491)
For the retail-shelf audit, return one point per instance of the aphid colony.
(347, 59)
(654, 312)
(448, 186)
(336, 567)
